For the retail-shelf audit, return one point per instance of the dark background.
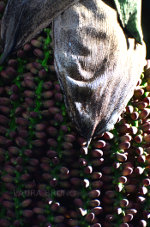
(145, 24)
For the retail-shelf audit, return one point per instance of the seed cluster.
(47, 178)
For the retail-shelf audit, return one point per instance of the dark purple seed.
(53, 182)
(141, 158)
(144, 113)
(40, 127)
(59, 219)
(121, 157)
(124, 128)
(99, 144)
(139, 150)
(4, 101)
(138, 92)
(14, 97)
(67, 145)
(129, 109)
(94, 194)
(47, 94)
(20, 54)
(21, 142)
(11, 71)
(135, 116)
(52, 131)
(40, 135)
(147, 100)
(38, 210)
(46, 176)
(88, 170)
(57, 86)
(9, 169)
(131, 211)
(34, 162)
(143, 190)
(26, 203)
(3, 130)
(143, 223)
(133, 130)
(15, 88)
(36, 43)
(73, 222)
(13, 63)
(27, 47)
(78, 202)
(69, 138)
(139, 170)
(146, 126)
(29, 93)
(122, 179)
(27, 213)
(52, 142)
(22, 121)
(97, 162)
(107, 170)
(29, 83)
(42, 74)
(94, 203)
(41, 218)
(55, 206)
(138, 138)
(58, 117)
(97, 153)
(147, 138)
(38, 53)
(96, 225)
(23, 133)
(3, 120)
(128, 217)
(4, 223)
(58, 97)
(90, 217)
(28, 152)
(141, 199)
(142, 105)
(3, 140)
(108, 135)
(110, 194)
(96, 175)
(8, 204)
(97, 184)
(97, 210)
(130, 188)
(48, 85)
(64, 170)
(13, 150)
(124, 225)
(127, 171)
(38, 143)
(7, 178)
(28, 75)
(25, 177)
(49, 104)
(124, 203)
(124, 145)
(4, 110)
(146, 182)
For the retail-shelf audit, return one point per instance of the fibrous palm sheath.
(94, 59)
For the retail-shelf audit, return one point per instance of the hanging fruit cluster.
(46, 178)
